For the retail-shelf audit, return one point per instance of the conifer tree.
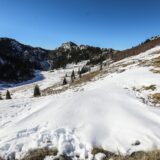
(8, 95)
(37, 91)
(1, 97)
(64, 81)
(73, 75)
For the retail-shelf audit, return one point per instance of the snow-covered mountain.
(18, 61)
(70, 52)
(114, 110)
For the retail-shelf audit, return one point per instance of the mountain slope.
(106, 112)
(18, 61)
(144, 46)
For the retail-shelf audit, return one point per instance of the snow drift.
(102, 113)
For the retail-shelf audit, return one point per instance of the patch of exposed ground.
(40, 154)
(155, 98)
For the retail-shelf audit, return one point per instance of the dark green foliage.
(61, 57)
(37, 91)
(97, 60)
(84, 69)
(73, 75)
(64, 81)
(1, 97)
(147, 40)
(16, 67)
(8, 95)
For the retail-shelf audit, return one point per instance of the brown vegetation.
(140, 155)
(40, 154)
(135, 50)
(155, 71)
(155, 98)
(83, 79)
(156, 62)
(150, 87)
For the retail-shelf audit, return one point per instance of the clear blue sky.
(106, 23)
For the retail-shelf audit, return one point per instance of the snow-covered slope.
(105, 112)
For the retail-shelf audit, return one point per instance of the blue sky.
(118, 24)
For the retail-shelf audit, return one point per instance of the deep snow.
(105, 113)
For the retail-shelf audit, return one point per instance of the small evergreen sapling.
(64, 81)
(8, 95)
(1, 97)
(37, 91)
(73, 74)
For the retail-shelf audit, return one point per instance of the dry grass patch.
(150, 87)
(153, 155)
(156, 62)
(52, 90)
(140, 155)
(40, 154)
(128, 64)
(87, 77)
(84, 78)
(97, 150)
(155, 98)
(155, 71)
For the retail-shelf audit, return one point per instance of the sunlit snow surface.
(103, 113)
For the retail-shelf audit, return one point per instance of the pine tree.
(64, 81)
(37, 91)
(73, 75)
(1, 97)
(8, 95)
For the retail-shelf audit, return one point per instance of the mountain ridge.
(18, 61)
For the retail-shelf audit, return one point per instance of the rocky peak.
(69, 45)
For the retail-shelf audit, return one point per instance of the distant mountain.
(69, 45)
(70, 52)
(17, 61)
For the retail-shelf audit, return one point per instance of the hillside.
(117, 109)
(144, 46)
(18, 61)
